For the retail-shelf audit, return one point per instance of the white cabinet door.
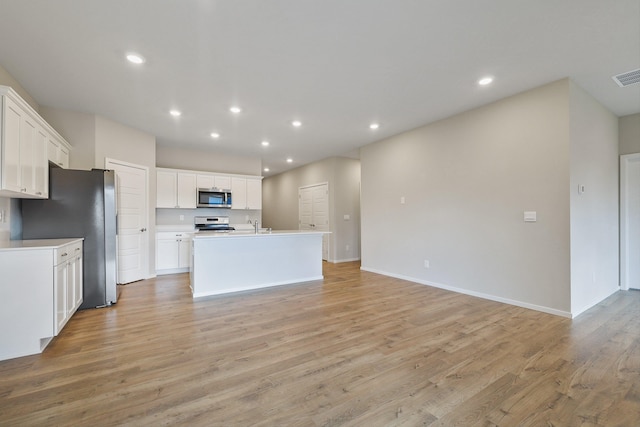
(11, 171)
(40, 164)
(167, 254)
(57, 153)
(186, 191)
(77, 282)
(206, 181)
(24, 167)
(60, 296)
(254, 193)
(71, 288)
(184, 252)
(246, 193)
(176, 190)
(167, 189)
(238, 193)
(28, 133)
(223, 182)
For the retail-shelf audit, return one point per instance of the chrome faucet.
(255, 225)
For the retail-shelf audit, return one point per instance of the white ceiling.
(336, 65)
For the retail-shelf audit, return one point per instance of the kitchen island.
(244, 260)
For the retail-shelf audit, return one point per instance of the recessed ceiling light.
(265, 143)
(175, 113)
(266, 169)
(289, 160)
(215, 135)
(485, 81)
(235, 110)
(296, 123)
(374, 126)
(135, 58)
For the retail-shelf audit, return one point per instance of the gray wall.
(280, 202)
(79, 129)
(467, 181)
(594, 212)
(629, 134)
(211, 161)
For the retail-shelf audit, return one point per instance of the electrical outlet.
(181, 217)
(426, 264)
(1, 215)
(346, 247)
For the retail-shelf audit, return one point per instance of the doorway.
(313, 212)
(131, 208)
(630, 221)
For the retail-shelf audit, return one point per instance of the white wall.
(7, 79)
(119, 142)
(79, 129)
(629, 134)
(210, 161)
(594, 213)
(466, 181)
(280, 202)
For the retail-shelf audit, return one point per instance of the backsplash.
(173, 216)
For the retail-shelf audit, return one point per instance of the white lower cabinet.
(173, 252)
(67, 284)
(40, 289)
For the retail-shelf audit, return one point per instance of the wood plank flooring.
(356, 349)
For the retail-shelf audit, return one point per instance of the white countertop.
(13, 245)
(252, 233)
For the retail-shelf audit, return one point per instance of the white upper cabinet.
(175, 190)
(57, 152)
(246, 193)
(222, 182)
(187, 193)
(24, 137)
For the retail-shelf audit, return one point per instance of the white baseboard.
(543, 309)
(338, 261)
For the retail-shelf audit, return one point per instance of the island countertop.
(252, 233)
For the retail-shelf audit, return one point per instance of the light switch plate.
(530, 216)
(347, 217)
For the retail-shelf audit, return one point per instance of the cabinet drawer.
(67, 252)
(175, 235)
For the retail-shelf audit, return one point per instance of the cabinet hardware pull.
(60, 163)
(65, 254)
(143, 230)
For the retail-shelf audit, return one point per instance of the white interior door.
(630, 221)
(313, 212)
(131, 207)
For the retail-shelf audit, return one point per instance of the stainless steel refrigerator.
(81, 204)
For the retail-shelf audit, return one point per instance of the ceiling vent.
(628, 78)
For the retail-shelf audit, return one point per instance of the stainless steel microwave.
(214, 198)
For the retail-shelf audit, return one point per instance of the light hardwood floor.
(357, 349)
